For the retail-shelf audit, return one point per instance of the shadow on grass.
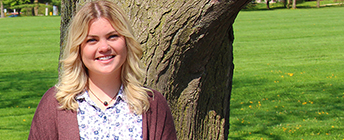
(24, 89)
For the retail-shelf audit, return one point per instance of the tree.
(294, 4)
(2, 9)
(34, 4)
(35, 9)
(13, 3)
(284, 3)
(189, 57)
(288, 5)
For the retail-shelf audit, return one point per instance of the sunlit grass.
(29, 49)
(299, 5)
(288, 80)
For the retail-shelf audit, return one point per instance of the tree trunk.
(2, 10)
(68, 9)
(318, 3)
(285, 3)
(19, 10)
(35, 9)
(294, 4)
(189, 57)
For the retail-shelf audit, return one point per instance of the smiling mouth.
(105, 57)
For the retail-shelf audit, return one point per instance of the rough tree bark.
(188, 55)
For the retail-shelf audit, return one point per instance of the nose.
(103, 46)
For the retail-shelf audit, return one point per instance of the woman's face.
(103, 51)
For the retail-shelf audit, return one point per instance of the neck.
(105, 86)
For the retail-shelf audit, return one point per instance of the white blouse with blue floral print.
(116, 122)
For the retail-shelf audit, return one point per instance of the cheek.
(124, 51)
(86, 53)
(120, 48)
(124, 48)
(86, 56)
(82, 54)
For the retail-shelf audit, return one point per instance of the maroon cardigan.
(51, 123)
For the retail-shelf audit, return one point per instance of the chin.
(112, 72)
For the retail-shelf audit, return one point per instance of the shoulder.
(50, 93)
(48, 98)
(159, 118)
(43, 122)
(47, 107)
(155, 94)
(158, 101)
(48, 103)
(156, 97)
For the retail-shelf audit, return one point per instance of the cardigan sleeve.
(160, 124)
(43, 126)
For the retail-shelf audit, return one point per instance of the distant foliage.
(25, 6)
(251, 5)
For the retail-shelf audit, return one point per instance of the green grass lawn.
(29, 49)
(299, 4)
(288, 79)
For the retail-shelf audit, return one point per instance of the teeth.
(105, 58)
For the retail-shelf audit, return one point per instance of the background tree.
(284, 3)
(33, 4)
(56, 3)
(294, 4)
(289, 2)
(35, 9)
(2, 9)
(12, 3)
(189, 57)
(36, 3)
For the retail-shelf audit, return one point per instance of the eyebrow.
(110, 33)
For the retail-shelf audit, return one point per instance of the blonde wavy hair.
(73, 78)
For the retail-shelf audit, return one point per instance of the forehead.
(100, 25)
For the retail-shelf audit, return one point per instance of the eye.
(90, 40)
(114, 36)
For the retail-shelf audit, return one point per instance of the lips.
(102, 58)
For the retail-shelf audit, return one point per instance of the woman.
(99, 94)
